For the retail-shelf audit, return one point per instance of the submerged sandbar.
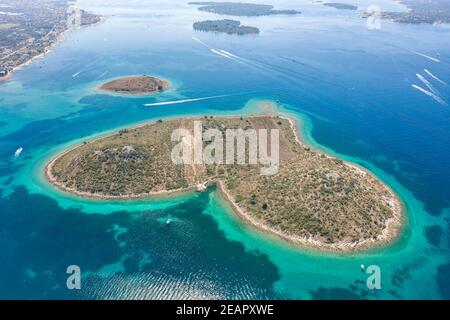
(314, 199)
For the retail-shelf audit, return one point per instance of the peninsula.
(136, 85)
(225, 26)
(314, 199)
(241, 9)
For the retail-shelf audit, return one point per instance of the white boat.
(18, 152)
(201, 186)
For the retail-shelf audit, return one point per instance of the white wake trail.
(434, 77)
(425, 56)
(200, 41)
(231, 55)
(221, 54)
(431, 94)
(238, 59)
(103, 74)
(185, 100)
(76, 74)
(427, 83)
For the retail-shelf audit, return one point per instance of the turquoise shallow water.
(351, 88)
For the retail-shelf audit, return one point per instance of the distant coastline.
(8, 67)
(421, 12)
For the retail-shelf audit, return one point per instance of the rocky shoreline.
(390, 232)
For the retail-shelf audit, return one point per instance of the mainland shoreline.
(47, 49)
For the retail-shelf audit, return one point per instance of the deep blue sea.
(352, 89)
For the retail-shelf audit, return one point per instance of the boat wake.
(188, 100)
(434, 77)
(221, 54)
(425, 56)
(427, 83)
(200, 41)
(231, 55)
(431, 94)
(288, 76)
(103, 74)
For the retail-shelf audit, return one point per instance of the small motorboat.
(18, 152)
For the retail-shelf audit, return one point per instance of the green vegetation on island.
(226, 26)
(341, 6)
(136, 85)
(240, 9)
(314, 199)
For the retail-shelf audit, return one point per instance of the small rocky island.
(240, 9)
(136, 85)
(341, 6)
(314, 199)
(226, 26)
